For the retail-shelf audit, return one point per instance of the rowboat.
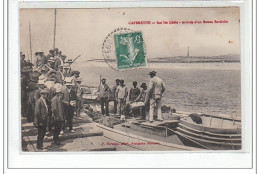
(210, 132)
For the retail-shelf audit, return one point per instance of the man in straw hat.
(41, 113)
(156, 89)
(57, 108)
(70, 98)
(67, 70)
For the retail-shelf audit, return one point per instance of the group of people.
(149, 97)
(50, 93)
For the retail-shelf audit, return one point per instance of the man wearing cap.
(114, 95)
(156, 89)
(104, 91)
(70, 98)
(32, 86)
(121, 95)
(41, 113)
(57, 108)
(134, 92)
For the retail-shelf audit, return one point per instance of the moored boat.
(210, 132)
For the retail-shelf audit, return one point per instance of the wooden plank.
(159, 123)
(141, 143)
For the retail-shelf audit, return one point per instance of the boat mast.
(54, 29)
(188, 54)
(30, 40)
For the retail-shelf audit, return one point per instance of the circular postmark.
(111, 50)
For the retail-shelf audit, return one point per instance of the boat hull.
(211, 138)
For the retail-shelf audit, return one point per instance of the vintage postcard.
(130, 79)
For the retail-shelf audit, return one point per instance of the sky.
(83, 31)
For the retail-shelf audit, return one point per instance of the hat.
(40, 51)
(57, 85)
(58, 90)
(152, 73)
(44, 69)
(41, 82)
(49, 84)
(103, 79)
(79, 79)
(26, 69)
(34, 77)
(143, 85)
(66, 65)
(69, 61)
(51, 50)
(75, 72)
(51, 59)
(44, 91)
(68, 81)
(56, 49)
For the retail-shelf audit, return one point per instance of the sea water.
(210, 88)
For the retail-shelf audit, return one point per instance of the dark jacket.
(57, 108)
(103, 91)
(41, 112)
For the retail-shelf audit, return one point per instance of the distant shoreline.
(163, 65)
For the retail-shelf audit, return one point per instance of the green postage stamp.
(130, 51)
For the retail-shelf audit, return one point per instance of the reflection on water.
(187, 89)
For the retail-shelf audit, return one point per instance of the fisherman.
(121, 95)
(57, 108)
(134, 92)
(156, 89)
(114, 95)
(41, 113)
(104, 91)
(144, 97)
(70, 98)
